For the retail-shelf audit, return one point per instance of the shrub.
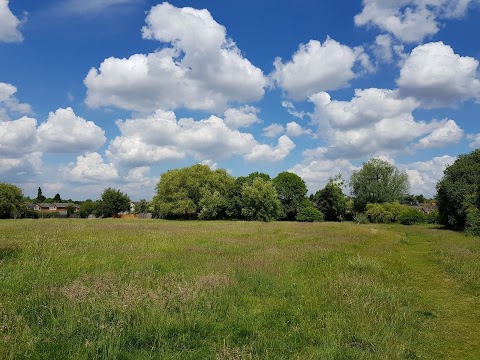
(361, 218)
(378, 213)
(309, 214)
(472, 225)
(411, 216)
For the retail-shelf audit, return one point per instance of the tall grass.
(150, 289)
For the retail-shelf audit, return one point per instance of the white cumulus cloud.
(435, 75)
(424, 175)
(9, 24)
(241, 117)
(447, 133)
(65, 132)
(90, 168)
(202, 70)
(410, 20)
(318, 67)
(263, 152)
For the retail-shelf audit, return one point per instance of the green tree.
(260, 201)
(87, 208)
(113, 202)
(309, 213)
(331, 200)
(377, 182)
(181, 192)
(458, 193)
(40, 198)
(57, 198)
(291, 191)
(142, 208)
(12, 205)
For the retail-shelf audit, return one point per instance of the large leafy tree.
(12, 205)
(458, 194)
(378, 181)
(331, 200)
(184, 193)
(291, 191)
(260, 201)
(113, 202)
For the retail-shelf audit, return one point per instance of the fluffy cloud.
(424, 175)
(318, 67)
(437, 76)
(17, 137)
(202, 70)
(410, 20)
(262, 152)
(273, 130)
(241, 117)
(447, 133)
(64, 132)
(90, 168)
(133, 151)
(475, 144)
(316, 169)
(10, 104)
(368, 106)
(8, 24)
(17, 168)
(147, 141)
(294, 129)
(376, 122)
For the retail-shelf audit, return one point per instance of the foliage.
(331, 200)
(394, 212)
(361, 218)
(472, 225)
(291, 191)
(412, 216)
(260, 201)
(87, 208)
(181, 192)
(458, 192)
(212, 205)
(57, 198)
(377, 182)
(142, 208)
(40, 198)
(113, 202)
(309, 213)
(12, 205)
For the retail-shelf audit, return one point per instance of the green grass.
(141, 289)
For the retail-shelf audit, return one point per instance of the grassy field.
(134, 289)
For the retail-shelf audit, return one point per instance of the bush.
(361, 218)
(309, 214)
(378, 213)
(472, 225)
(412, 216)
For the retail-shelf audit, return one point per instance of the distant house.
(61, 208)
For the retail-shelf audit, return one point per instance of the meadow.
(153, 289)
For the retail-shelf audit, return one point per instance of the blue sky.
(99, 93)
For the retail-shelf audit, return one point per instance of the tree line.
(379, 193)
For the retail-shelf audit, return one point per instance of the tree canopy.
(331, 200)
(113, 202)
(458, 194)
(378, 181)
(260, 201)
(187, 191)
(291, 191)
(12, 205)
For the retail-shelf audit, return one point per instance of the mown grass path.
(150, 289)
